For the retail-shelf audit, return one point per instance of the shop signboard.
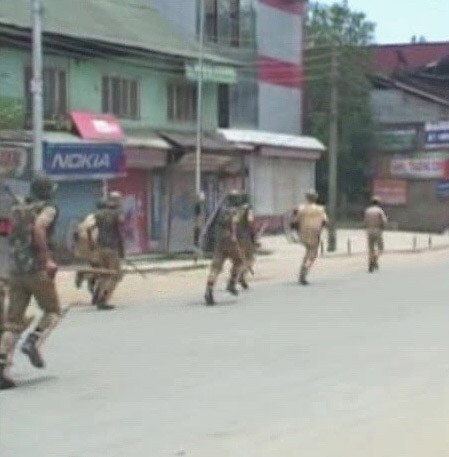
(436, 134)
(425, 165)
(78, 161)
(391, 191)
(397, 140)
(212, 73)
(442, 189)
(14, 161)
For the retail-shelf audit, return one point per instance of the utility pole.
(333, 154)
(199, 128)
(37, 85)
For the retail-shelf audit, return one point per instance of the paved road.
(353, 365)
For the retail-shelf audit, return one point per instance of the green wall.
(84, 87)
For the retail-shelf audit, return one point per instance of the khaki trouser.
(310, 255)
(375, 244)
(21, 289)
(227, 249)
(108, 259)
(3, 290)
(248, 250)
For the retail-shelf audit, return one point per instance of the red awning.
(100, 127)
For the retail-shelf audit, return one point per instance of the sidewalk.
(349, 242)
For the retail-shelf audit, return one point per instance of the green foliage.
(11, 113)
(337, 30)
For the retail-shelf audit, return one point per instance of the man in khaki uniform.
(108, 222)
(375, 221)
(309, 220)
(226, 247)
(33, 273)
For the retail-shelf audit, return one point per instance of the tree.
(336, 30)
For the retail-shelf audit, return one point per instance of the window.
(182, 101)
(222, 22)
(54, 92)
(120, 97)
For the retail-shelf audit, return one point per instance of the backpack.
(21, 239)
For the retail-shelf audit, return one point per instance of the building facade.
(120, 114)
(266, 37)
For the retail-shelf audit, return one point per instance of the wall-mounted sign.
(212, 73)
(427, 165)
(13, 161)
(84, 160)
(437, 134)
(391, 191)
(93, 126)
(442, 189)
(397, 140)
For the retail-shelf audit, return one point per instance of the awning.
(68, 157)
(210, 141)
(209, 162)
(280, 140)
(289, 153)
(98, 127)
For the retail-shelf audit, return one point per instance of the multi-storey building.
(266, 37)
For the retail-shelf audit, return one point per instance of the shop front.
(81, 169)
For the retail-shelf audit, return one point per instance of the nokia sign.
(84, 160)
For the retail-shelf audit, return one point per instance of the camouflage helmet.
(312, 195)
(375, 200)
(237, 198)
(42, 187)
(114, 199)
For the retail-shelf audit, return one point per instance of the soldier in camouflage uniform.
(246, 235)
(86, 247)
(226, 246)
(109, 222)
(33, 273)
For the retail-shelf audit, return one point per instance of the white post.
(37, 86)
(199, 109)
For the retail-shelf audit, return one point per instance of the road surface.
(354, 365)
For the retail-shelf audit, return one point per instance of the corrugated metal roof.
(389, 58)
(258, 137)
(118, 22)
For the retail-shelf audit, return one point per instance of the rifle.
(135, 268)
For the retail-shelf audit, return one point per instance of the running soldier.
(108, 222)
(309, 220)
(226, 246)
(33, 272)
(246, 235)
(86, 248)
(375, 221)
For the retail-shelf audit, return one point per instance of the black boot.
(302, 277)
(103, 306)
(5, 382)
(231, 288)
(371, 266)
(243, 283)
(29, 348)
(209, 296)
(79, 279)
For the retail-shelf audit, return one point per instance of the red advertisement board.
(391, 191)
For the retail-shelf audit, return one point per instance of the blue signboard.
(84, 160)
(442, 189)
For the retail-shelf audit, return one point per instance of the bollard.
(430, 241)
(349, 246)
(414, 243)
(322, 247)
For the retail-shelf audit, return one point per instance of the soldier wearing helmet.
(309, 219)
(226, 245)
(32, 274)
(108, 223)
(375, 221)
